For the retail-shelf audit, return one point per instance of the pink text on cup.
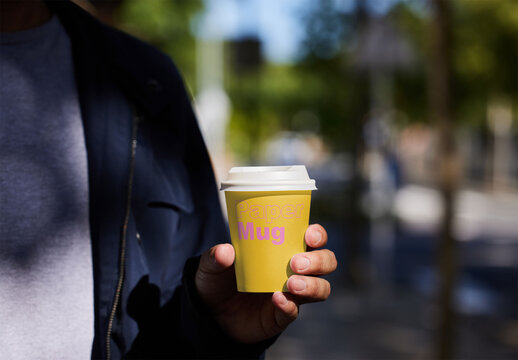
(269, 212)
(276, 233)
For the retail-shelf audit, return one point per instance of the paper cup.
(268, 213)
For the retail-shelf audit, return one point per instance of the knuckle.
(319, 262)
(325, 262)
(331, 262)
(322, 289)
(315, 289)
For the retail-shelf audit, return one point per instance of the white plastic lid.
(268, 178)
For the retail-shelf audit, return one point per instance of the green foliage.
(165, 24)
(263, 103)
(485, 55)
(329, 83)
(484, 63)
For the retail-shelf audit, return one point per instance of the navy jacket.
(153, 199)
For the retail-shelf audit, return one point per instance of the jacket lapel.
(107, 120)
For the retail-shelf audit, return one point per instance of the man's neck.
(22, 15)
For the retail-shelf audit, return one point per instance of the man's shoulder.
(144, 71)
(134, 55)
(149, 75)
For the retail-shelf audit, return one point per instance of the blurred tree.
(484, 59)
(441, 104)
(165, 24)
(264, 102)
(327, 58)
(483, 66)
(325, 80)
(485, 56)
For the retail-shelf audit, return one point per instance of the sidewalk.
(354, 325)
(395, 317)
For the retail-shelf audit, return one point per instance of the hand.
(253, 317)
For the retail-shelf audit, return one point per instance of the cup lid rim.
(268, 178)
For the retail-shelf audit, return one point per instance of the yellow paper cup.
(268, 213)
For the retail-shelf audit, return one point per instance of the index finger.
(315, 236)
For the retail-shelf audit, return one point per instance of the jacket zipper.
(124, 232)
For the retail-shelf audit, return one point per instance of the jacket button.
(154, 85)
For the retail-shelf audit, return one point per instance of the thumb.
(217, 259)
(215, 278)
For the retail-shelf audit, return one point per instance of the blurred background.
(405, 113)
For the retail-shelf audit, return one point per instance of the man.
(104, 168)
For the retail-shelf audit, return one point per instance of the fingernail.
(302, 263)
(317, 237)
(298, 284)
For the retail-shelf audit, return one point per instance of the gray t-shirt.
(46, 281)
